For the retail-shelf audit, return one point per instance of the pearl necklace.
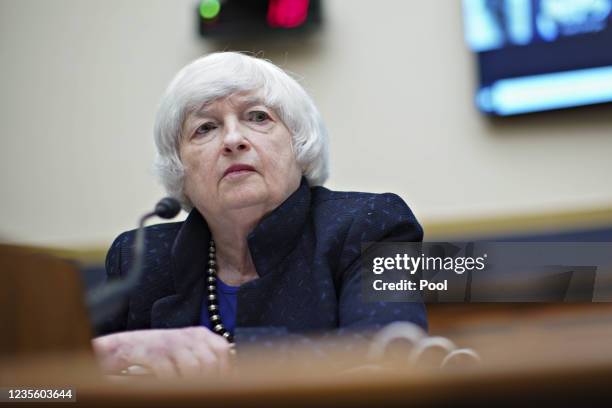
(213, 305)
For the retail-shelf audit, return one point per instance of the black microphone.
(167, 208)
(105, 299)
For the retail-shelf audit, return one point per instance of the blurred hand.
(166, 353)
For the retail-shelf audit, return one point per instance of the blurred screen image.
(537, 55)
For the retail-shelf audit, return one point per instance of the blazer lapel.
(189, 257)
(270, 242)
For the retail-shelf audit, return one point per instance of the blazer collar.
(277, 233)
(188, 258)
(270, 242)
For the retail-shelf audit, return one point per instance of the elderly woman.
(265, 249)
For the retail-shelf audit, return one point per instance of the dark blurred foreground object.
(251, 18)
(41, 304)
(42, 307)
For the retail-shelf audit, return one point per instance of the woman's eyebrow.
(248, 100)
(203, 111)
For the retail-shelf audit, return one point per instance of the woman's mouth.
(237, 170)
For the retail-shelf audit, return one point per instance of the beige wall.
(80, 81)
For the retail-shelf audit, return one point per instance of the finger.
(163, 367)
(186, 362)
(112, 352)
(219, 343)
(214, 343)
(209, 363)
(224, 359)
(222, 348)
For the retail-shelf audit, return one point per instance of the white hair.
(225, 73)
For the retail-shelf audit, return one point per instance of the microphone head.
(167, 208)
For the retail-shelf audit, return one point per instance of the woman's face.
(237, 154)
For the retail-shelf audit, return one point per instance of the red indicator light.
(287, 13)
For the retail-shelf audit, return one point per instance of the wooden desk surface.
(559, 359)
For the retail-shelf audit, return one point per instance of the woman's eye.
(258, 116)
(205, 128)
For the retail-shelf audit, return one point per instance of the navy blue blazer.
(306, 253)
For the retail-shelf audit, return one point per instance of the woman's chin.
(243, 196)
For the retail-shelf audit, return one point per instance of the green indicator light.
(209, 8)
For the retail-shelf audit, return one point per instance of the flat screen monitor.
(539, 55)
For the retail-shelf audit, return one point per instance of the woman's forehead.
(234, 100)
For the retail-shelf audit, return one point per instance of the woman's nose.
(234, 141)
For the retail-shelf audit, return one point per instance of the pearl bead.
(212, 296)
(218, 327)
